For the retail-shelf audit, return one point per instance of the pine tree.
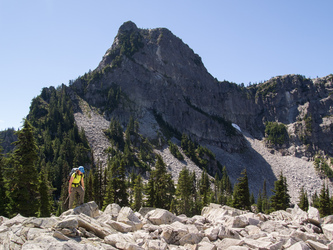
(89, 187)
(252, 200)
(183, 192)
(138, 198)
(281, 199)
(315, 200)
(225, 182)
(160, 186)
(98, 184)
(303, 200)
(259, 202)
(21, 175)
(195, 200)
(324, 202)
(204, 188)
(241, 196)
(45, 191)
(121, 191)
(265, 202)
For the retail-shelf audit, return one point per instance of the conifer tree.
(265, 202)
(324, 202)
(204, 188)
(315, 200)
(89, 187)
(183, 192)
(138, 198)
(195, 200)
(241, 196)
(98, 184)
(281, 199)
(121, 191)
(303, 200)
(45, 191)
(161, 188)
(252, 200)
(225, 182)
(225, 187)
(21, 176)
(259, 202)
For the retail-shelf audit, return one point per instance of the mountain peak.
(126, 27)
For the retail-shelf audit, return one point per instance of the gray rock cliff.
(150, 72)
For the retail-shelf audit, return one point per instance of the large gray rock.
(3, 220)
(18, 219)
(237, 222)
(119, 226)
(317, 245)
(127, 216)
(314, 216)
(161, 216)
(299, 215)
(299, 246)
(328, 231)
(328, 219)
(190, 238)
(90, 209)
(155, 245)
(112, 210)
(215, 212)
(41, 222)
(70, 222)
(113, 239)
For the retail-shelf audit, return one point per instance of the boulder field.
(218, 227)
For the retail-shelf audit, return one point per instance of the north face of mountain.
(159, 74)
(305, 107)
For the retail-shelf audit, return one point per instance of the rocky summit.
(218, 227)
(152, 75)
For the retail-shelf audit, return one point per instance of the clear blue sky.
(48, 42)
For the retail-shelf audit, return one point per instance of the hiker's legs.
(71, 198)
(81, 195)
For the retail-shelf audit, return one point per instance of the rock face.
(153, 76)
(218, 227)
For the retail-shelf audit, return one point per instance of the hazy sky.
(49, 42)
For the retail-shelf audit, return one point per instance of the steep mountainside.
(151, 75)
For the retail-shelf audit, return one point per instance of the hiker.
(76, 185)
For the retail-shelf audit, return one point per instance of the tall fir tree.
(204, 188)
(259, 202)
(21, 174)
(315, 200)
(195, 200)
(138, 190)
(265, 201)
(241, 195)
(45, 192)
(303, 200)
(98, 184)
(280, 200)
(324, 201)
(225, 187)
(161, 187)
(183, 193)
(89, 187)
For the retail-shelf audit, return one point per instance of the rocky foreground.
(218, 227)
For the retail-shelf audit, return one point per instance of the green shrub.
(276, 133)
